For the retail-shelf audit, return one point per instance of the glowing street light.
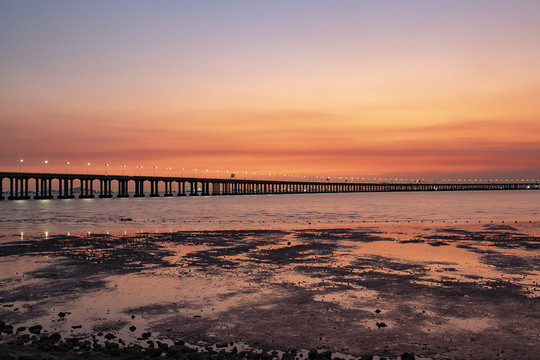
(123, 169)
(106, 166)
(139, 167)
(20, 161)
(67, 164)
(155, 167)
(87, 165)
(44, 162)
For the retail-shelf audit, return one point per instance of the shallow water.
(449, 274)
(263, 211)
(434, 287)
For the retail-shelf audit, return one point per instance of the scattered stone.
(110, 336)
(407, 356)
(132, 328)
(154, 352)
(378, 311)
(146, 335)
(8, 329)
(76, 327)
(132, 317)
(380, 325)
(36, 329)
(21, 329)
(62, 315)
(325, 355)
(312, 355)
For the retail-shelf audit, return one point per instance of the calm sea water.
(263, 211)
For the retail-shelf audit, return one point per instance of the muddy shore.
(440, 292)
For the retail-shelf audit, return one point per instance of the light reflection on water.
(263, 211)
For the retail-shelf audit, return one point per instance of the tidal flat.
(438, 291)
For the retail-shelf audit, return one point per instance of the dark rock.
(132, 317)
(36, 329)
(325, 355)
(378, 311)
(85, 345)
(132, 328)
(312, 355)
(380, 325)
(55, 337)
(146, 335)
(7, 355)
(76, 327)
(65, 346)
(407, 356)
(162, 345)
(8, 329)
(63, 314)
(151, 351)
(21, 329)
(110, 336)
(366, 357)
(135, 350)
(111, 345)
(222, 345)
(177, 350)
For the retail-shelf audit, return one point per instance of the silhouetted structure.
(19, 186)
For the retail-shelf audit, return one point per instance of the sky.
(318, 88)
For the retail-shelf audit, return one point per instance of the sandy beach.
(438, 291)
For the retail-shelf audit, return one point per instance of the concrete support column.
(181, 188)
(154, 188)
(193, 190)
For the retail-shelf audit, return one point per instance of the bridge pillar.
(181, 188)
(105, 188)
(154, 188)
(65, 188)
(205, 188)
(139, 188)
(122, 188)
(87, 188)
(193, 189)
(168, 188)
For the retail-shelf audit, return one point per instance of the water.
(263, 211)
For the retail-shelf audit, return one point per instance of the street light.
(44, 162)
(20, 161)
(87, 165)
(123, 169)
(106, 166)
(155, 167)
(67, 164)
(139, 167)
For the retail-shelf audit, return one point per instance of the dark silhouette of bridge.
(46, 185)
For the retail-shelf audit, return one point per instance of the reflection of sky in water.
(263, 211)
(349, 275)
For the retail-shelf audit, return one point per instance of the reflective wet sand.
(438, 291)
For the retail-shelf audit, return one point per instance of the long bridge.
(22, 186)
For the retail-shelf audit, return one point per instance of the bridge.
(22, 186)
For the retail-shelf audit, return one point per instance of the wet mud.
(439, 292)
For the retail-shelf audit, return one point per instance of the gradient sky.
(344, 88)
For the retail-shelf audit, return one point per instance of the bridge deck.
(63, 186)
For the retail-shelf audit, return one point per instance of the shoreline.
(384, 290)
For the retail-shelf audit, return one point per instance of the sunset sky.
(306, 87)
